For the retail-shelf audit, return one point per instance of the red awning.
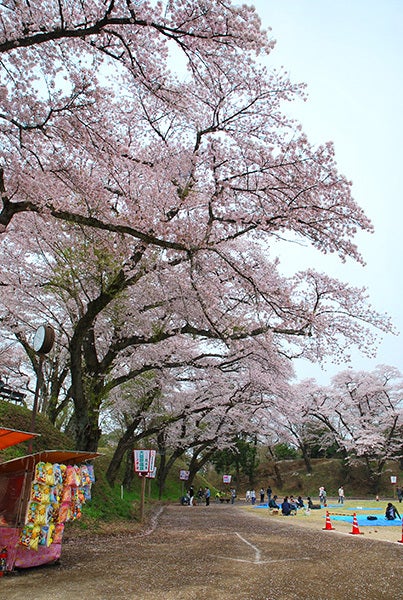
(11, 437)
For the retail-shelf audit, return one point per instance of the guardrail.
(9, 393)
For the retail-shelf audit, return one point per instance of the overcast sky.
(350, 54)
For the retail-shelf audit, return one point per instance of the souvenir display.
(58, 493)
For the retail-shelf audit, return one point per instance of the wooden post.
(142, 496)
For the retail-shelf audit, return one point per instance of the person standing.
(269, 493)
(399, 491)
(207, 495)
(200, 494)
(253, 496)
(191, 495)
(233, 495)
(261, 495)
(341, 495)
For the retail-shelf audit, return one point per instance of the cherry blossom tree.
(369, 407)
(293, 422)
(139, 204)
(199, 407)
(362, 413)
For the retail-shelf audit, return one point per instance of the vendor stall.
(39, 493)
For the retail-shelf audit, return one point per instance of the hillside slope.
(18, 417)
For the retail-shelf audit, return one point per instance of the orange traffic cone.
(355, 530)
(401, 541)
(328, 526)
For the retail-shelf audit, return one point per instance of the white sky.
(350, 54)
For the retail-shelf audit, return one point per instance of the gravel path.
(216, 552)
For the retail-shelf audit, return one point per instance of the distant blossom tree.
(363, 414)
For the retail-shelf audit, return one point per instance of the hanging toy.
(40, 473)
(26, 535)
(49, 474)
(57, 474)
(66, 494)
(90, 469)
(85, 476)
(32, 512)
(36, 492)
(58, 533)
(33, 544)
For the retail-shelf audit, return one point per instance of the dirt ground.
(219, 552)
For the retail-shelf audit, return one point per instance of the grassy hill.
(330, 473)
(18, 417)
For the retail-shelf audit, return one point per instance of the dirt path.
(216, 552)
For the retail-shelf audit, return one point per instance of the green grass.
(18, 417)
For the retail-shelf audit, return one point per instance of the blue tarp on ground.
(362, 520)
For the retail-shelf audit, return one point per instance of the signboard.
(151, 464)
(393, 479)
(184, 475)
(226, 478)
(152, 474)
(142, 461)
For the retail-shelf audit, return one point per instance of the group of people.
(191, 499)
(288, 506)
(250, 495)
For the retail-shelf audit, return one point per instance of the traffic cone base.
(401, 541)
(355, 530)
(328, 525)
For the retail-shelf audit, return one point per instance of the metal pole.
(36, 398)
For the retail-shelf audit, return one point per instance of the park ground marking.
(257, 560)
(255, 548)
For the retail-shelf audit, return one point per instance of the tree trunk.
(125, 443)
(87, 431)
(307, 458)
(195, 464)
(129, 470)
(277, 474)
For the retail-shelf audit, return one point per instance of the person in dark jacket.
(300, 502)
(269, 493)
(311, 505)
(273, 502)
(391, 512)
(286, 508)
